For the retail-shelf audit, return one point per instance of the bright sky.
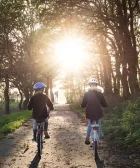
(71, 51)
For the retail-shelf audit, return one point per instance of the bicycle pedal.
(43, 141)
(91, 145)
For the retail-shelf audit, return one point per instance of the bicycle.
(39, 136)
(95, 138)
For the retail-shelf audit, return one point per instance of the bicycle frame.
(40, 128)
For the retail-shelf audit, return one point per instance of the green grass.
(13, 106)
(1, 105)
(76, 107)
(11, 122)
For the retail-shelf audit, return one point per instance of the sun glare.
(71, 53)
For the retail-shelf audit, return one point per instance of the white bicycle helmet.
(39, 85)
(93, 81)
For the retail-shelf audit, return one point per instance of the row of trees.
(24, 53)
(29, 29)
(114, 27)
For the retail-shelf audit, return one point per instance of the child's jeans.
(35, 124)
(89, 128)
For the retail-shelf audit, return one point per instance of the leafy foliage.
(124, 125)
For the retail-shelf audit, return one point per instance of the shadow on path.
(35, 162)
(15, 140)
(99, 162)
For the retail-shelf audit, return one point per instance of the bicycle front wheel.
(95, 149)
(39, 146)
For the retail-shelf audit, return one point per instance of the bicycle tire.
(95, 150)
(39, 146)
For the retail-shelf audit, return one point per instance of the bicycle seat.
(40, 121)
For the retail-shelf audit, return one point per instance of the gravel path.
(65, 148)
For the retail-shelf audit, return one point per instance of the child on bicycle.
(93, 101)
(38, 104)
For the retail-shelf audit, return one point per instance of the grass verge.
(122, 126)
(76, 107)
(11, 122)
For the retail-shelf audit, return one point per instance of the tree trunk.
(48, 86)
(133, 64)
(126, 92)
(25, 102)
(117, 77)
(51, 92)
(6, 95)
(128, 44)
(21, 100)
(106, 62)
(132, 60)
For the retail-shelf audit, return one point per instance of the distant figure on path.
(56, 96)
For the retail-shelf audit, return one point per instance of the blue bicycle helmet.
(39, 85)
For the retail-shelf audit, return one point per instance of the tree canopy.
(29, 31)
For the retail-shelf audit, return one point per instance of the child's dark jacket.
(93, 101)
(38, 104)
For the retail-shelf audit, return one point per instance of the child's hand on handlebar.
(48, 112)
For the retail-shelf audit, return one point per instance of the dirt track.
(65, 148)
